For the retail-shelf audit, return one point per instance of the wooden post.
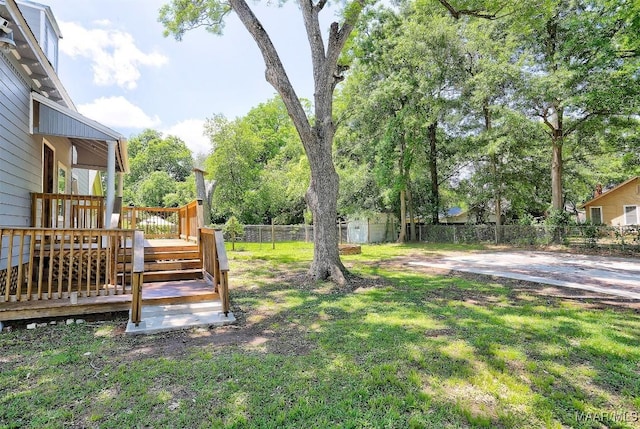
(137, 277)
(200, 213)
(273, 235)
(201, 194)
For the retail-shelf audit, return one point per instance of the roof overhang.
(30, 58)
(89, 137)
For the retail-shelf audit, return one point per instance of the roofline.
(47, 10)
(117, 137)
(77, 116)
(21, 23)
(608, 192)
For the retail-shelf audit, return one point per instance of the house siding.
(613, 203)
(20, 152)
(20, 155)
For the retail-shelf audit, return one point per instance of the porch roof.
(88, 136)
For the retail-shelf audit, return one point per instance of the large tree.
(254, 161)
(315, 133)
(581, 61)
(150, 153)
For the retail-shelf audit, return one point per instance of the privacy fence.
(590, 236)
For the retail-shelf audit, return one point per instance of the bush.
(232, 229)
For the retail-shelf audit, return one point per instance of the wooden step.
(172, 255)
(170, 275)
(182, 264)
(163, 249)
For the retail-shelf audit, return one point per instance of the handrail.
(67, 211)
(51, 263)
(215, 264)
(138, 277)
(156, 222)
(191, 218)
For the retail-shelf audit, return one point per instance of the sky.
(121, 71)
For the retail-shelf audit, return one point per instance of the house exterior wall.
(614, 201)
(20, 152)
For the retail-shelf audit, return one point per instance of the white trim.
(20, 22)
(624, 214)
(55, 160)
(591, 214)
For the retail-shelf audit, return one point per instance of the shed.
(377, 228)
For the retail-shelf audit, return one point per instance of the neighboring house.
(46, 146)
(618, 206)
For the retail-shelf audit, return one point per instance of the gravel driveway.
(609, 275)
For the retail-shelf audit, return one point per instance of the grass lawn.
(399, 349)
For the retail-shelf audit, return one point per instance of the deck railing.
(191, 218)
(155, 222)
(215, 264)
(47, 263)
(165, 222)
(67, 211)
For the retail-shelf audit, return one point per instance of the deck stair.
(162, 318)
(171, 263)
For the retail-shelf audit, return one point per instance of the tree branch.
(574, 126)
(312, 25)
(478, 13)
(275, 72)
(320, 5)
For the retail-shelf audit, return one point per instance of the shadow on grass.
(401, 350)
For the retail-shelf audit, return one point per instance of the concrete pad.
(607, 275)
(164, 318)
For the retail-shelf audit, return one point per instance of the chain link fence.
(591, 236)
(625, 238)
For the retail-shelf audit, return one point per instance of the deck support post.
(137, 277)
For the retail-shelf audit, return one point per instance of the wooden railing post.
(200, 214)
(137, 277)
(222, 272)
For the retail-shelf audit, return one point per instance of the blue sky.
(121, 71)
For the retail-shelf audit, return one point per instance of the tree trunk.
(495, 172)
(402, 237)
(412, 220)
(322, 198)
(317, 139)
(433, 170)
(557, 200)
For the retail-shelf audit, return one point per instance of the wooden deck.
(153, 293)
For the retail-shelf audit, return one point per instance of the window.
(596, 215)
(630, 215)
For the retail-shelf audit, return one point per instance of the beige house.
(617, 207)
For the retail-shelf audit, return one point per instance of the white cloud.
(102, 22)
(191, 131)
(118, 112)
(114, 55)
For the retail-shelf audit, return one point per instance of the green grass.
(404, 350)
